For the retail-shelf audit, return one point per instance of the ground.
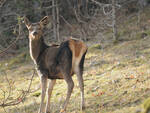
(116, 77)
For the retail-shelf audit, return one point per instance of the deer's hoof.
(39, 112)
(83, 108)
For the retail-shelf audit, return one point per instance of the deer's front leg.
(70, 85)
(49, 93)
(43, 85)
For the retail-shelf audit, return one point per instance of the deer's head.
(36, 29)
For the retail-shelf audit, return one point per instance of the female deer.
(56, 62)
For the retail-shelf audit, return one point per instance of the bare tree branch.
(2, 2)
(115, 35)
(20, 98)
(18, 37)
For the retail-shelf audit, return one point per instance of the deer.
(54, 62)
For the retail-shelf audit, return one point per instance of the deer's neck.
(37, 47)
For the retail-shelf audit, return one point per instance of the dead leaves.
(98, 93)
(130, 77)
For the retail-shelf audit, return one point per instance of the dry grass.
(117, 80)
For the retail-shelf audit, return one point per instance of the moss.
(138, 36)
(123, 32)
(115, 41)
(147, 32)
(36, 94)
(95, 46)
(146, 105)
(90, 55)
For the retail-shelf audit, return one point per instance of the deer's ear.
(27, 22)
(44, 21)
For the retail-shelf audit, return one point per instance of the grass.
(117, 80)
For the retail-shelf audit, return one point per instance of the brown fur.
(78, 48)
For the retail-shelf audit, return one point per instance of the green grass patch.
(36, 94)
(95, 46)
(146, 105)
(16, 60)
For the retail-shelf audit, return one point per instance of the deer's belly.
(58, 75)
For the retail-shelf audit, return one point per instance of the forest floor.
(116, 77)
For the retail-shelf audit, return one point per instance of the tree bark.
(57, 11)
(115, 34)
(141, 5)
(54, 20)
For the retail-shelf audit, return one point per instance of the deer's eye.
(39, 28)
(30, 29)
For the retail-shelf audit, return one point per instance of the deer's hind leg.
(81, 85)
(79, 73)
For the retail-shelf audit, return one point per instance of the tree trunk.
(54, 20)
(115, 34)
(141, 5)
(57, 11)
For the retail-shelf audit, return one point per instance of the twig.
(77, 16)
(66, 22)
(5, 50)
(21, 97)
(4, 110)
(31, 81)
(2, 2)
(10, 88)
(104, 5)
